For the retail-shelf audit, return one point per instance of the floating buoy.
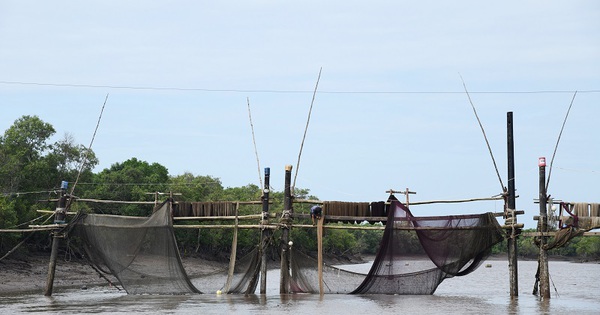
(219, 292)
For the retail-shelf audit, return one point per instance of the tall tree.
(132, 180)
(21, 148)
(30, 164)
(195, 188)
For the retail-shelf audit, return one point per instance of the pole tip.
(288, 167)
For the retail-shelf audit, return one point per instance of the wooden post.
(510, 211)
(406, 193)
(265, 232)
(233, 255)
(284, 281)
(59, 217)
(320, 253)
(543, 227)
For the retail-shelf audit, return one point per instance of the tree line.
(32, 169)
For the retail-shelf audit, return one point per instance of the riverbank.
(29, 273)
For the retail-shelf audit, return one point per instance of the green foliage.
(587, 247)
(131, 180)
(368, 240)
(21, 148)
(195, 188)
(8, 219)
(304, 239)
(339, 242)
(245, 193)
(32, 166)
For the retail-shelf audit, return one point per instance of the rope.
(18, 194)
(484, 135)
(306, 129)
(33, 220)
(558, 140)
(553, 285)
(101, 273)
(26, 238)
(87, 152)
(254, 142)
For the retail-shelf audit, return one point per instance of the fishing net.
(305, 277)
(450, 246)
(241, 277)
(142, 253)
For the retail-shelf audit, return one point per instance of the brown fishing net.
(142, 253)
(451, 246)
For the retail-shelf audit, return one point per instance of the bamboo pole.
(34, 228)
(52, 265)
(320, 253)
(141, 202)
(384, 219)
(52, 212)
(381, 227)
(228, 226)
(544, 275)
(233, 255)
(552, 234)
(416, 203)
(230, 217)
(339, 227)
(265, 232)
(286, 220)
(59, 218)
(510, 207)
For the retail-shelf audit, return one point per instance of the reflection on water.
(485, 291)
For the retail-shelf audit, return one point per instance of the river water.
(575, 289)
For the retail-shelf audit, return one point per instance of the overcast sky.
(390, 110)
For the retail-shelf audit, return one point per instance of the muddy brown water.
(575, 289)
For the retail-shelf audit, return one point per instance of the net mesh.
(451, 246)
(142, 253)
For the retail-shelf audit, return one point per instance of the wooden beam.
(551, 234)
(222, 226)
(52, 212)
(231, 217)
(382, 219)
(381, 227)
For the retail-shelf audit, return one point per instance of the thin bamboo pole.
(232, 257)
(229, 217)
(339, 227)
(383, 219)
(552, 234)
(227, 226)
(52, 212)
